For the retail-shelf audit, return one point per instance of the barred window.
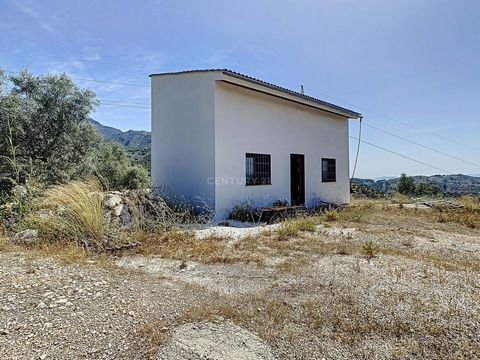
(258, 169)
(329, 170)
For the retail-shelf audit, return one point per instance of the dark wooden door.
(297, 179)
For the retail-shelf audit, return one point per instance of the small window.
(329, 170)
(258, 169)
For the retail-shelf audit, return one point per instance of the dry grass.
(153, 335)
(441, 261)
(64, 251)
(337, 315)
(183, 245)
(6, 245)
(74, 211)
(471, 203)
(295, 226)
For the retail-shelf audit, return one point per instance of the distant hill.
(137, 142)
(456, 184)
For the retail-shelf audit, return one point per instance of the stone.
(117, 210)
(41, 305)
(126, 219)
(19, 190)
(26, 236)
(113, 200)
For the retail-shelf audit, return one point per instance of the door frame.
(297, 172)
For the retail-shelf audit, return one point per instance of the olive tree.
(44, 128)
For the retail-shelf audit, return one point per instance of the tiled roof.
(238, 75)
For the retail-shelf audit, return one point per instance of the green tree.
(114, 166)
(406, 185)
(425, 189)
(44, 119)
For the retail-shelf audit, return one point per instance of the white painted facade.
(204, 123)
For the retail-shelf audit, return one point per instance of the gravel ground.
(418, 300)
(57, 311)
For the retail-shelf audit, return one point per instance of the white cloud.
(31, 9)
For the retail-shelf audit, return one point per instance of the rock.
(117, 210)
(113, 200)
(19, 190)
(28, 236)
(126, 219)
(41, 305)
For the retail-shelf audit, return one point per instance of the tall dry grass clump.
(72, 210)
(471, 203)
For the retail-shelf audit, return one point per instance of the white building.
(225, 137)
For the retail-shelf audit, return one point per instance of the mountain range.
(455, 184)
(137, 142)
(138, 145)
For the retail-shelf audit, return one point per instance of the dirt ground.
(396, 284)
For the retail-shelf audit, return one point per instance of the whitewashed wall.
(183, 143)
(249, 121)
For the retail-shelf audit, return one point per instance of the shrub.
(73, 210)
(370, 249)
(113, 165)
(471, 203)
(331, 215)
(18, 204)
(136, 177)
(293, 227)
(245, 211)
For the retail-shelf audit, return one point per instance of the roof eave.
(305, 99)
(272, 88)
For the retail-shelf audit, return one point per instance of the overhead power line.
(423, 146)
(401, 155)
(126, 102)
(61, 58)
(125, 105)
(97, 81)
(445, 138)
(112, 82)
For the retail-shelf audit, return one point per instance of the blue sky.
(415, 62)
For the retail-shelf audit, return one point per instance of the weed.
(370, 249)
(153, 335)
(293, 227)
(331, 215)
(72, 210)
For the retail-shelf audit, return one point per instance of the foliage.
(245, 211)
(293, 227)
(18, 204)
(44, 129)
(113, 165)
(407, 186)
(370, 249)
(331, 215)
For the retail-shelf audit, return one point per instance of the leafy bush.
(136, 177)
(113, 165)
(245, 211)
(18, 204)
(407, 186)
